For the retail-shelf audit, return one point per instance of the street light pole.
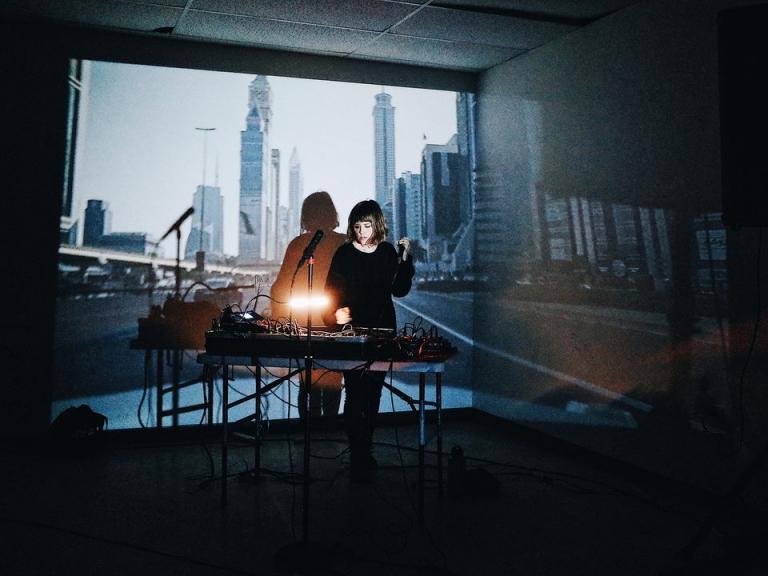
(201, 250)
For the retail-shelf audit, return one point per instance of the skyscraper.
(98, 220)
(274, 217)
(441, 188)
(211, 217)
(465, 142)
(283, 215)
(77, 86)
(295, 194)
(407, 214)
(384, 152)
(256, 197)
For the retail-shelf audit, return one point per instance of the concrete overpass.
(78, 254)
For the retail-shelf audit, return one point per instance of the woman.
(365, 273)
(317, 213)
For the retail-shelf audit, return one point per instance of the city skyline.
(156, 160)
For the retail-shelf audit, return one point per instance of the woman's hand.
(342, 316)
(406, 243)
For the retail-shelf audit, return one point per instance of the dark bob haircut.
(318, 212)
(368, 211)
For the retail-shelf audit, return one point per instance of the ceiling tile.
(107, 13)
(271, 33)
(437, 52)
(359, 14)
(463, 26)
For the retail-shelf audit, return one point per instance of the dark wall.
(621, 310)
(34, 99)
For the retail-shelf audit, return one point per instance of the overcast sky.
(141, 153)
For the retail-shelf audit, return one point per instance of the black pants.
(361, 406)
(326, 394)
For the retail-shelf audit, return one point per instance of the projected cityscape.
(431, 202)
(243, 153)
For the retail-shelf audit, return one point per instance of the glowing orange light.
(302, 302)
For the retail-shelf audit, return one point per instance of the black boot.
(369, 462)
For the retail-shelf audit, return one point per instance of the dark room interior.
(589, 268)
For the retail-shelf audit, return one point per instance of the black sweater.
(366, 282)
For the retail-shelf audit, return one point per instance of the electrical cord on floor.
(129, 545)
(205, 409)
(220, 399)
(550, 476)
(143, 397)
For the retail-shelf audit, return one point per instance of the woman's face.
(363, 232)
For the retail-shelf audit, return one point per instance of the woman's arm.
(334, 290)
(404, 272)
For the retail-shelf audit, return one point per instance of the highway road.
(544, 353)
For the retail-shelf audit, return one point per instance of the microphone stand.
(307, 398)
(176, 226)
(177, 351)
(305, 557)
(178, 262)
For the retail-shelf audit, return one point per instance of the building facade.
(441, 188)
(295, 194)
(257, 202)
(97, 222)
(384, 152)
(77, 87)
(407, 214)
(273, 245)
(465, 143)
(207, 230)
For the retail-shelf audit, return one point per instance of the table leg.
(422, 442)
(147, 376)
(224, 425)
(159, 378)
(439, 402)
(257, 435)
(175, 381)
(209, 383)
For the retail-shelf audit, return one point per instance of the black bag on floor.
(76, 428)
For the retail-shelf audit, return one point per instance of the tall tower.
(274, 224)
(77, 86)
(258, 205)
(260, 95)
(252, 201)
(441, 189)
(408, 206)
(283, 215)
(465, 141)
(213, 225)
(384, 151)
(98, 221)
(295, 194)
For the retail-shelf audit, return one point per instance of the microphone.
(400, 252)
(310, 249)
(179, 222)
